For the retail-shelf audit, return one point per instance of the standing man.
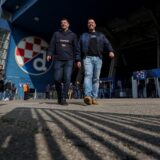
(92, 45)
(63, 50)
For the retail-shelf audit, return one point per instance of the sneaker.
(88, 100)
(94, 101)
(64, 102)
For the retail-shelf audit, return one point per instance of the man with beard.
(92, 45)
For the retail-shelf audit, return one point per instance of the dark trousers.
(25, 95)
(62, 77)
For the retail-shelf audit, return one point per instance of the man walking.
(92, 45)
(63, 50)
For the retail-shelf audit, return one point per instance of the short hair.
(65, 19)
(91, 19)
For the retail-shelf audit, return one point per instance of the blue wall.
(16, 74)
(4, 24)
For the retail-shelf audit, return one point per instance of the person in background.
(26, 90)
(1, 88)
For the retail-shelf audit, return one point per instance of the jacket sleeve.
(76, 49)
(107, 45)
(51, 48)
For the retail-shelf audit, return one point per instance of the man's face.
(91, 24)
(64, 24)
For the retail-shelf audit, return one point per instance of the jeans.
(92, 69)
(62, 74)
(1, 95)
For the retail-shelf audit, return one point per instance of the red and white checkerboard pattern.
(28, 48)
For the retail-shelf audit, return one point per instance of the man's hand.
(111, 54)
(78, 64)
(49, 58)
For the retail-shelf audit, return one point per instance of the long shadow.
(88, 152)
(149, 119)
(125, 140)
(54, 148)
(124, 129)
(120, 153)
(140, 122)
(17, 135)
(145, 118)
(140, 118)
(18, 129)
(149, 127)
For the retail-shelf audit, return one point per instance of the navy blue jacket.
(64, 46)
(103, 45)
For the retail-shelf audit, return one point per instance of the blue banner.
(140, 75)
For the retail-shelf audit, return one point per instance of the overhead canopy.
(43, 16)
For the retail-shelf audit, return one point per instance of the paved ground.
(116, 129)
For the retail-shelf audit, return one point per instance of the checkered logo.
(30, 55)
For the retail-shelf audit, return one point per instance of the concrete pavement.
(116, 129)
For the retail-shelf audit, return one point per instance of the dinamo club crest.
(30, 55)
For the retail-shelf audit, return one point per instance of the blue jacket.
(64, 46)
(103, 44)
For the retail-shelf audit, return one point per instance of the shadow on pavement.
(70, 134)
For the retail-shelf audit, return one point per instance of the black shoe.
(59, 101)
(64, 102)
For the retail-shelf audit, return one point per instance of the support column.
(158, 51)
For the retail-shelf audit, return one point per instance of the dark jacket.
(103, 45)
(64, 46)
(1, 85)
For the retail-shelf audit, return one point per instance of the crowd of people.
(76, 91)
(7, 90)
(150, 87)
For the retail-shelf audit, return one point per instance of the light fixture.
(17, 6)
(36, 19)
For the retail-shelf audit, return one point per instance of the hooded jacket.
(64, 46)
